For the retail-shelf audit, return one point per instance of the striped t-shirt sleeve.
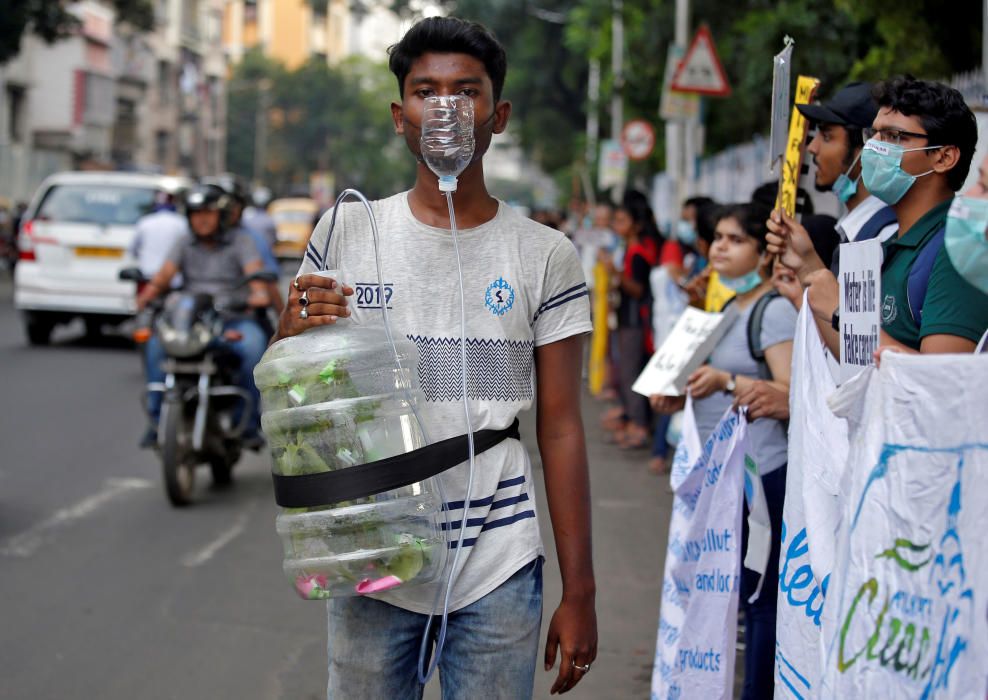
(564, 309)
(312, 259)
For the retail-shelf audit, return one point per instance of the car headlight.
(184, 343)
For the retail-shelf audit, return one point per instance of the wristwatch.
(731, 384)
(835, 319)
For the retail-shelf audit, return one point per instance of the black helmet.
(205, 197)
(230, 184)
(202, 197)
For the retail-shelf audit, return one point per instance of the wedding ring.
(584, 668)
(303, 314)
(295, 283)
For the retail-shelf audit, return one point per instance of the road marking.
(199, 558)
(27, 543)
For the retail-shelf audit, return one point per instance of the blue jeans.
(249, 349)
(490, 651)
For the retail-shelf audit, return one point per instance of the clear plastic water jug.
(334, 398)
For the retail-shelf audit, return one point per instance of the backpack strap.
(919, 275)
(327, 488)
(755, 333)
(873, 226)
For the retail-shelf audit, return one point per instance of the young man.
(527, 310)
(836, 150)
(917, 156)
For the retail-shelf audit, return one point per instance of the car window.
(96, 204)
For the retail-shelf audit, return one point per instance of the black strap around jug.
(327, 488)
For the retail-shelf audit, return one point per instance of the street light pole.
(261, 129)
(593, 121)
(678, 144)
(617, 71)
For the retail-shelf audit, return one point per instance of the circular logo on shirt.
(500, 297)
(889, 310)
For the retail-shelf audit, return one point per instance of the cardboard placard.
(687, 346)
(860, 280)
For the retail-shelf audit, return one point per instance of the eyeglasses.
(895, 136)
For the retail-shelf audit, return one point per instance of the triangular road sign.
(700, 70)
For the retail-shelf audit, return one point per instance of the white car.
(73, 242)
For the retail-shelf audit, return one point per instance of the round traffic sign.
(638, 139)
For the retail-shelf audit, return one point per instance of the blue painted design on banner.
(946, 575)
(796, 579)
(788, 675)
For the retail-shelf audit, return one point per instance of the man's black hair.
(449, 35)
(941, 109)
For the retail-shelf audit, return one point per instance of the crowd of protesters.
(894, 154)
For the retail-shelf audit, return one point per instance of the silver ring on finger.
(303, 314)
(585, 668)
(304, 299)
(295, 283)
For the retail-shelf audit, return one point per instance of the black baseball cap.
(852, 105)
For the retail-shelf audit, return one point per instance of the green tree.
(836, 41)
(319, 118)
(51, 20)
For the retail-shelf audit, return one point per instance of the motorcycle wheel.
(176, 459)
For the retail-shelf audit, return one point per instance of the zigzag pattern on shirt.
(497, 369)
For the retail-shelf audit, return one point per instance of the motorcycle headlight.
(184, 343)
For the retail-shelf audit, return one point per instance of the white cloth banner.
(906, 607)
(694, 656)
(817, 455)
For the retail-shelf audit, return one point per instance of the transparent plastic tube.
(380, 289)
(426, 674)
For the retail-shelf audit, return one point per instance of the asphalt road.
(108, 592)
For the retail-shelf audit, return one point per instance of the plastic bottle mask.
(965, 240)
(844, 187)
(882, 173)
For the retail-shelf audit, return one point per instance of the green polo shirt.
(952, 306)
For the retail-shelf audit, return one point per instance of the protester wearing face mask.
(836, 149)
(918, 154)
(738, 254)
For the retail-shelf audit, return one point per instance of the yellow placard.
(597, 370)
(717, 294)
(789, 179)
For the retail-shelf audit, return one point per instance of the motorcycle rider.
(212, 259)
(233, 187)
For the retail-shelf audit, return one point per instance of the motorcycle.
(199, 422)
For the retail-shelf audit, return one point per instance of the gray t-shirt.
(524, 288)
(768, 436)
(218, 269)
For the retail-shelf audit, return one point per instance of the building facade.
(111, 97)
